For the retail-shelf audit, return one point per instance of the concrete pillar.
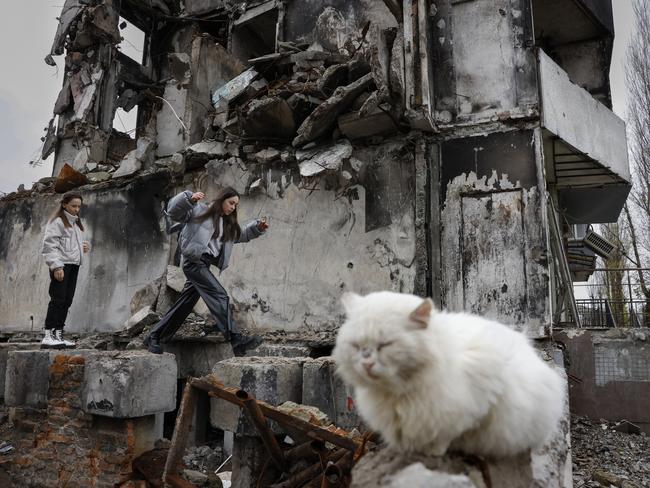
(249, 458)
(324, 389)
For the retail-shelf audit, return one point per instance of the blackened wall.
(129, 250)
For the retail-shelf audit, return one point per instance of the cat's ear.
(350, 301)
(422, 314)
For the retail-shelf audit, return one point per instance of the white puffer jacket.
(62, 245)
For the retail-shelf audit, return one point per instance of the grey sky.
(29, 87)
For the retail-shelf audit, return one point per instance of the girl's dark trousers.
(61, 295)
(200, 283)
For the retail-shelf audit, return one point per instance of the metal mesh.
(621, 364)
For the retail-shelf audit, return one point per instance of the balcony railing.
(611, 299)
(605, 313)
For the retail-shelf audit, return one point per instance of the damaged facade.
(423, 147)
(433, 147)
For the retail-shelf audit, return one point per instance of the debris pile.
(313, 451)
(303, 105)
(300, 105)
(605, 454)
(203, 458)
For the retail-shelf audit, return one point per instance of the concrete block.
(135, 160)
(129, 384)
(272, 379)
(197, 358)
(322, 388)
(175, 278)
(5, 348)
(139, 320)
(281, 350)
(418, 476)
(98, 177)
(27, 379)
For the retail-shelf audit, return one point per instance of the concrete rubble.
(604, 456)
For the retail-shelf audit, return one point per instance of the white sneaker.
(50, 341)
(59, 336)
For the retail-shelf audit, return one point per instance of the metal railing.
(613, 300)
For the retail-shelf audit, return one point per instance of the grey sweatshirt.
(62, 245)
(196, 235)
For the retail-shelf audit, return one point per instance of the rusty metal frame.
(331, 469)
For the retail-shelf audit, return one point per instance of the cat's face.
(380, 344)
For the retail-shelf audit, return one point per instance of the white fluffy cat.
(428, 380)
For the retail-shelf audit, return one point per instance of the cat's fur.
(434, 380)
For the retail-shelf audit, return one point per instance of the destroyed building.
(442, 148)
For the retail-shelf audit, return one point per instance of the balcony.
(560, 22)
(578, 35)
(585, 148)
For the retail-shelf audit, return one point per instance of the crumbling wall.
(493, 241)
(47, 440)
(331, 22)
(323, 240)
(587, 64)
(487, 65)
(609, 373)
(129, 250)
(457, 213)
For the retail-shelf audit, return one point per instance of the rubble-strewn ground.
(604, 457)
(201, 463)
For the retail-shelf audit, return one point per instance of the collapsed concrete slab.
(234, 88)
(269, 118)
(139, 320)
(325, 115)
(316, 160)
(137, 159)
(357, 126)
(202, 152)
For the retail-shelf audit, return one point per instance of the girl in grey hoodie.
(207, 238)
(63, 250)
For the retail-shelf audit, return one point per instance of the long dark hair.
(59, 212)
(231, 228)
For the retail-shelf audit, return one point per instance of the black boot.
(152, 343)
(241, 343)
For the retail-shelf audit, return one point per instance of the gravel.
(604, 457)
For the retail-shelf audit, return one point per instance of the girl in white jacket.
(63, 250)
